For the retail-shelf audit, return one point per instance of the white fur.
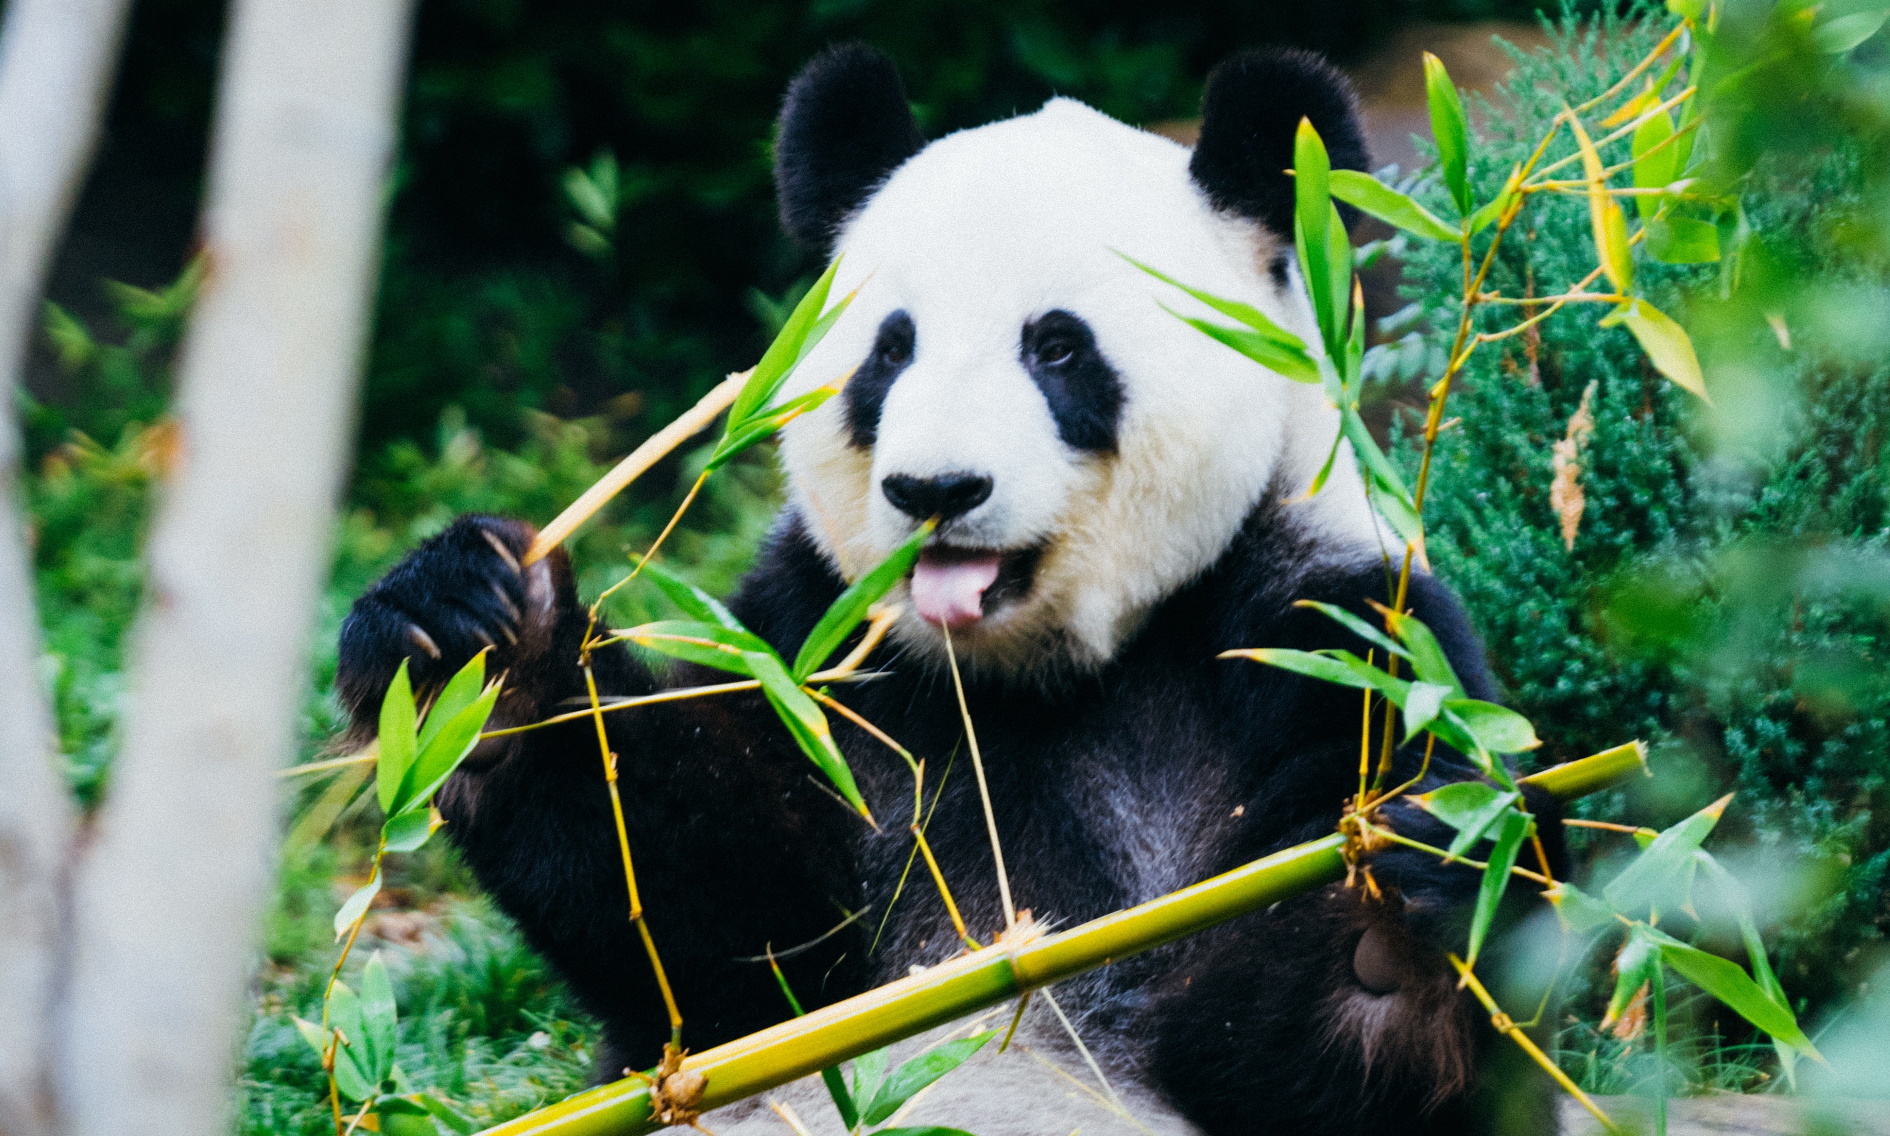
(973, 237)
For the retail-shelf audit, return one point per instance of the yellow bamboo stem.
(1508, 1028)
(980, 979)
(654, 448)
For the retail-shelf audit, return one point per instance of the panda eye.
(1056, 352)
(894, 351)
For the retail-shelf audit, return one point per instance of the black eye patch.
(865, 392)
(1083, 390)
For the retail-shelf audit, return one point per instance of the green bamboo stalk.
(980, 979)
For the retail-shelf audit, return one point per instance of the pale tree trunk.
(167, 900)
(56, 61)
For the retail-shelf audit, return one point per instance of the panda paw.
(464, 591)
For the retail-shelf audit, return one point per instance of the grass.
(484, 1024)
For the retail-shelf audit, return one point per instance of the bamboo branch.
(654, 449)
(980, 979)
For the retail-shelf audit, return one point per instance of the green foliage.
(483, 1025)
(1729, 612)
(713, 637)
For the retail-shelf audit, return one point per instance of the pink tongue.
(952, 591)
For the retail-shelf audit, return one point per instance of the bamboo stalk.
(654, 449)
(980, 979)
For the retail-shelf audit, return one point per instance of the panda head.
(1014, 375)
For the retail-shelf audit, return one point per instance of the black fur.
(1249, 115)
(1083, 390)
(845, 125)
(865, 393)
(1165, 767)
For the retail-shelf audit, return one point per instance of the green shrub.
(1711, 603)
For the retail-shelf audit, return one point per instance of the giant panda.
(1121, 499)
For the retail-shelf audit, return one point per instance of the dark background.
(485, 305)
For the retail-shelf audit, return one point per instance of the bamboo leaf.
(1470, 807)
(708, 644)
(1656, 165)
(1252, 317)
(1450, 131)
(1425, 652)
(380, 1017)
(1735, 896)
(357, 904)
(1834, 37)
(1326, 666)
(1402, 517)
(694, 602)
(1509, 841)
(916, 1074)
(1287, 362)
(1451, 729)
(846, 613)
(765, 424)
(1604, 215)
(1460, 803)
(1633, 109)
(1325, 252)
(1490, 211)
(1325, 469)
(804, 720)
(410, 830)
(1728, 981)
(1421, 706)
(1634, 967)
(1657, 877)
(460, 692)
(396, 738)
(793, 341)
(1498, 728)
(353, 1063)
(1578, 911)
(869, 1069)
(1682, 240)
(1357, 625)
(1388, 205)
(445, 751)
(1666, 343)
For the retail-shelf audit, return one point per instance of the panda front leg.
(1338, 1012)
(734, 847)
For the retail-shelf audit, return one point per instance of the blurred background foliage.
(582, 240)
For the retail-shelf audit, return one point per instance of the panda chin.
(963, 587)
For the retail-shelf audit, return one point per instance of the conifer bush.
(1727, 611)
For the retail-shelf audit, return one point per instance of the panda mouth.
(959, 587)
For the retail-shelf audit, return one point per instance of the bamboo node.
(675, 1092)
(1021, 933)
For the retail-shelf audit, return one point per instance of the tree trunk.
(167, 900)
(56, 61)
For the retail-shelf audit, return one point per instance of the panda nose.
(945, 496)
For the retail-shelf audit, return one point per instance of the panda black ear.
(1249, 115)
(845, 125)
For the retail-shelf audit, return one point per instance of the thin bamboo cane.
(653, 450)
(980, 979)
